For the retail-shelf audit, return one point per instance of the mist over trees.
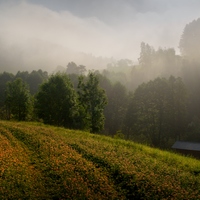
(189, 43)
(157, 111)
(92, 100)
(155, 101)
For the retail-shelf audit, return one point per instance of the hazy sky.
(41, 30)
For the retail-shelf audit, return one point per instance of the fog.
(44, 34)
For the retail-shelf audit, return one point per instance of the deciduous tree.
(93, 101)
(157, 111)
(56, 102)
(18, 100)
(190, 41)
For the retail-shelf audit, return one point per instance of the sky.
(50, 32)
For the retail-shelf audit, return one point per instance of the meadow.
(38, 161)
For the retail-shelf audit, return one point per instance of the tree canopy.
(17, 99)
(56, 102)
(157, 111)
(190, 41)
(93, 101)
(72, 68)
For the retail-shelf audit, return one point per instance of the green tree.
(116, 108)
(193, 130)
(35, 78)
(18, 99)
(157, 111)
(4, 78)
(56, 102)
(150, 111)
(74, 78)
(23, 75)
(177, 107)
(72, 68)
(191, 78)
(93, 101)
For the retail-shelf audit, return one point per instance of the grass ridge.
(46, 162)
(120, 179)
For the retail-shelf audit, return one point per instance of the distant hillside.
(45, 162)
(35, 54)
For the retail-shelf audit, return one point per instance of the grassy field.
(45, 162)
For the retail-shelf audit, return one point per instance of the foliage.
(146, 55)
(18, 100)
(33, 79)
(191, 78)
(72, 68)
(4, 78)
(189, 43)
(193, 130)
(116, 109)
(44, 162)
(36, 78)
(93, 100)
(119, 71)
(56, 102)
(74, 78)
(158, 110)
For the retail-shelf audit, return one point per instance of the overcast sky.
(111, 28)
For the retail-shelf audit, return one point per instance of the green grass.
(44, 162)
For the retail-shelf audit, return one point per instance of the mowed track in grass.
(45, 162)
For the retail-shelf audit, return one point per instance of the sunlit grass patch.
(18, 178)
(46, 162)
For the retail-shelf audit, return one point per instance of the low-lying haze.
(44, 34)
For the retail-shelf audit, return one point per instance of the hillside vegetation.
(45, 162)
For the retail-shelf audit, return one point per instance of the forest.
(155, 102)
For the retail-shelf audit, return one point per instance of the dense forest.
(154, 102)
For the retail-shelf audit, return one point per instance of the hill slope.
(44, 162)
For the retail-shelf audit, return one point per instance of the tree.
(93, 101)
(150, 100)
(23, 75)
(146, 55)
(191, 78)
(56, 102)
(177, 107)
(18, 99)
(35, 78)
(4, 78)
(72, 68)
(157, 111)
(193, 130)
(190, 41)
(190, 49)
(116, 108)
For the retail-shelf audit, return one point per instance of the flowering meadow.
(45, 162)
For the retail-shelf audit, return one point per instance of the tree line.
(155, 101)
(155, 113)
(56, 101)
